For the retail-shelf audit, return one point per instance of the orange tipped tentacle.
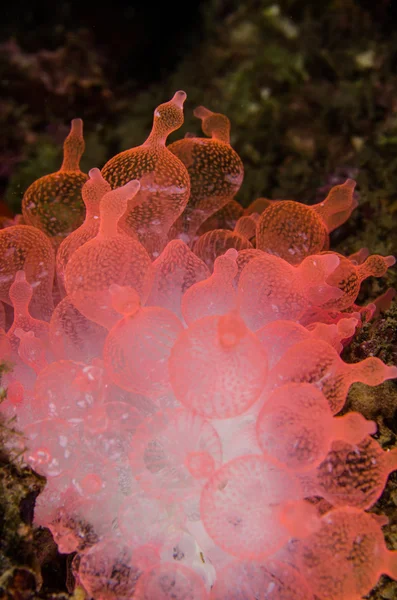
(73, 147)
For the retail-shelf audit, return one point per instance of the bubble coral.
(264, 580)
(53, 203)
(164, 181)
(215, 170)
(111, 257)
(183, 397)
(293, 231)
(92, 192)
(351, 565)
(26, 248)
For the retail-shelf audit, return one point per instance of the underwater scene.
(198, 313)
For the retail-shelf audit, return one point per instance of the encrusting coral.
(182, 397)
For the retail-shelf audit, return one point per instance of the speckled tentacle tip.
(293, 230)
(139, 343)
(74, 336)
(348, 568)
(216, 295)
(240, 522)
(26, 248)
(112, 569)
(70, 390)
(53, 203)
(296, 427)
(270, 288)
(111, 257)
(246, 226)
(206, 365)
(215, 170)
(32, 350)
(182, 398)
(187, 458)
(278, 336)
(261, 580)
(165, 184)
(348, 277)
(215, 243)
(367, 464)
(171, 581)
(21, 294)
(174, 272)
(321, 358)
(93, 191)
(224, 218)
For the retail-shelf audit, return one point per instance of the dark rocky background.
(311, 90)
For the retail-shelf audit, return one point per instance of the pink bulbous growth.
(26, 248)
(270, 289)
(74, 336)
(92, 192)
(294, 231)
(15, 393)
(111, 441)
(218, 367)
(215, 243)
(173, 453)
(348, 277)
(278, 336)
(336, 334)
(258, 206)
(246, 226)
(170, 581)
(110, 570)
(317, 316)
(70, 531)
(348, 568)
(296, 426)
(265, 580)
(215, 295)
(215, 170)
(244, 257)
(91, 484)
(145, 519)
(240, 504)
(173, 273)
(200, 464)
(111, 257)
(21, 293)
(165, 184)
(31, 350)
(81, 522)
(137, 349)
(53, 203)
(52, 447)
(70, 391)
(182, 410)
(125, 299)
(383, 302)
(224, 218)
(354, 472)
(19, 404)
(324, 368)
(338, 205)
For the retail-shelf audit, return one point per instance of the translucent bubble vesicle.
(174, 367)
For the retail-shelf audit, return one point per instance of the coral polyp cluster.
(175, 369)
